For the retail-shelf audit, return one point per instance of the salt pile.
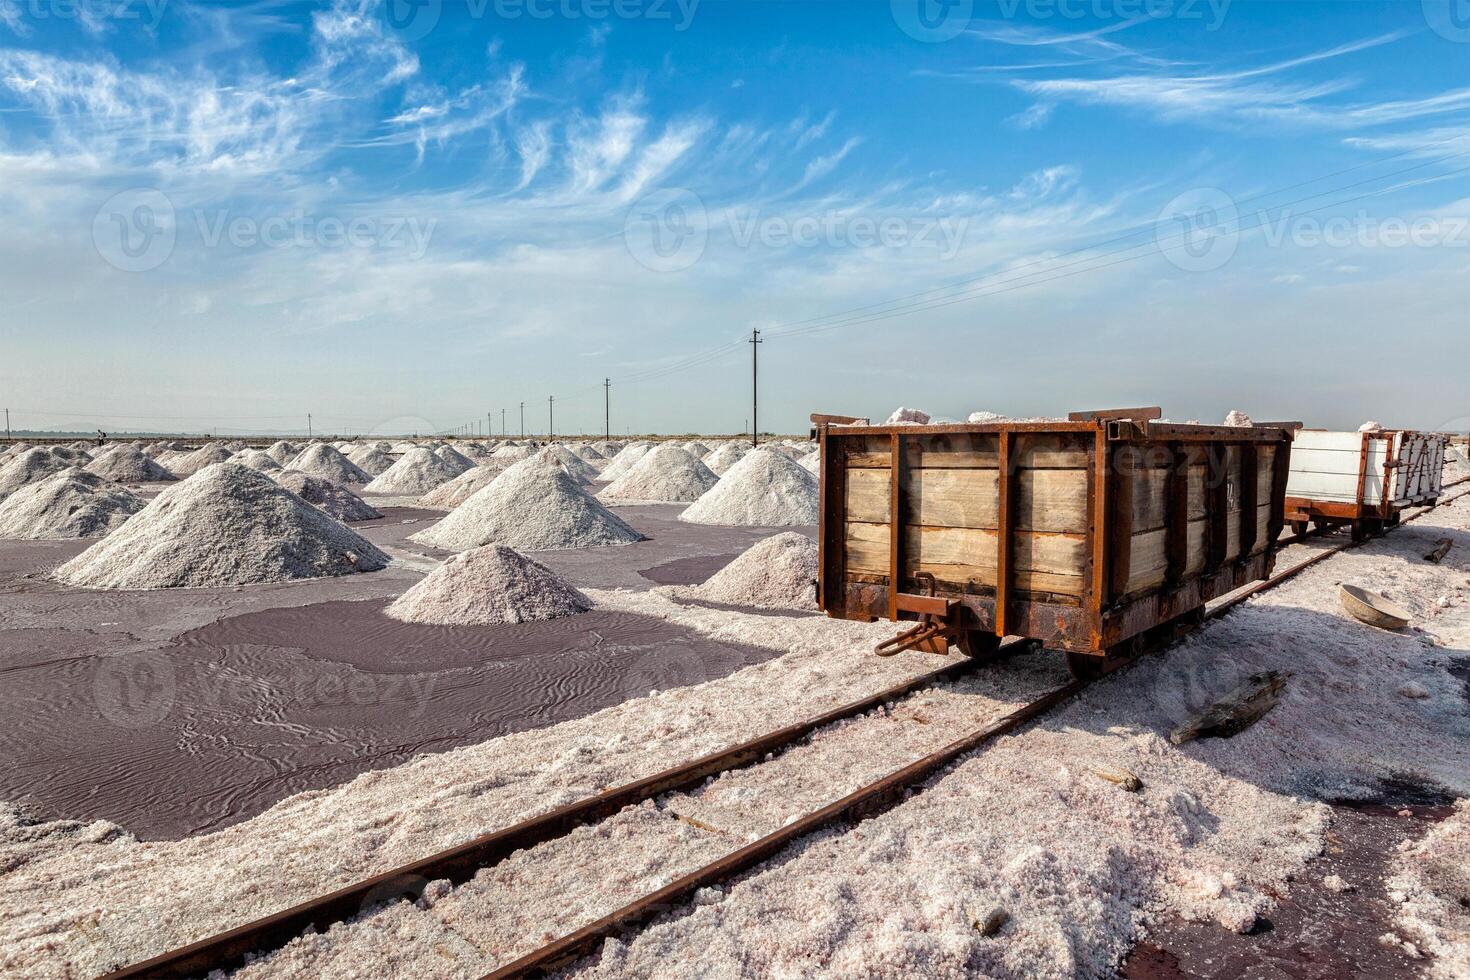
(625, 460)
(584, 471)
(473, 451)
(326, 463)
(70, 504)
(607, 448)
(227, 525)
(812, 462)
(697, 448)
(724, 457)
(668, 474)
(456, 459)
(448, 496)
(372, 460)
(511, 453)
(27, 468)
(589, 453)
(1370, 427)
(534, 507)
(399, 448)
(125, 464)
(417, 472)
(191, 463)
(776, 573)
(486, 586)
(765, 489)
(330, 498)
(1238, 419)
(907, 416)
(258, 460)
(283, 452)
(73, 454)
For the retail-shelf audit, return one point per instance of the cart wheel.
(978, 644)
(1299, 528)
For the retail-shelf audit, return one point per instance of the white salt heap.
(332, 499)
(455, 458)
(510, 453)
(283, 452)
(226, 525)
(812, 463)
(697, 448)
(624, 461)
(907, 416)
(1370, 427)
(28, 467)
(448, 496)
(486, 586)
(326, 463)
(1433, 877)
(1238, 419)
(584, 471)
(776, 573)
(724, 456)
(372, 460)
(125, 464)
(534, 507)
(74, 454)
(191, 463)
(70, 504)
(765, 489)
(667, 474)
(417, 472)
(258, 460)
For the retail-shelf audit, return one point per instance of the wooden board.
(1047, 500)
(967, 556)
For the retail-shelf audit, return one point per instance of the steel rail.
(860, 805)
(229, 949)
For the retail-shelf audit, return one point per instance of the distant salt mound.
(608, 448)
(191, 463)
(372, 460)
(812, 463)
(258, 460)
(417, 472)
(511, 453)
(125, 464)
(590, 454)
(448, 496)
(74, 454)
(486, 587)
(1370, 427)
(283, 452)
(765, 489)
(28, 467)
(625, 460)
(70, 504)
(534, 507)
(227, 525)
(697, 448)
(725, 456)
(776, 573)
(474, 452)
(584, 471)
(399, 448)
(1238, 419)
(458, 460)
(332, 499)
(669, 474)
(907, 416)
(326, 463)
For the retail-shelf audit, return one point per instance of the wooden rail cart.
(1362, 479)
(1087, 535)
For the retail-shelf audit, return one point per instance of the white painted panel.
(1341, 487)
(1326, 461)
(1351, 442)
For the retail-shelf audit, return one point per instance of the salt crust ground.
(225, 525)
(536, 505)
(486, 586)
(1432, 878)
(764, 489)
(1079, 865)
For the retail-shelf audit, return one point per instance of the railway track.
(230, 949)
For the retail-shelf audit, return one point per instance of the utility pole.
(755, 424)
(7, 425)
(502, 423)
(550, 418)
(308, 425)
(523, 420)
(606, 409)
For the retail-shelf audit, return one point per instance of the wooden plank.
(1121, 478)
(1035, 451)
(1005, 535)
(1184, 497)
(1150, 565)
(867, 548)
(867, 496)
(1250, 477)
(1046, 500)
(1150, 496)
(895, 524)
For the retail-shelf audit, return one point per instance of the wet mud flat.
(173, 713)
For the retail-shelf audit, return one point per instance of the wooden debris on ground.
(1122, 777)
(1236, 711)
(1441, 548)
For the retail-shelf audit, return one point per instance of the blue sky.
(401, 218)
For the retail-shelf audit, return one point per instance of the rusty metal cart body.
(1362, 479)
(1084, 535)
